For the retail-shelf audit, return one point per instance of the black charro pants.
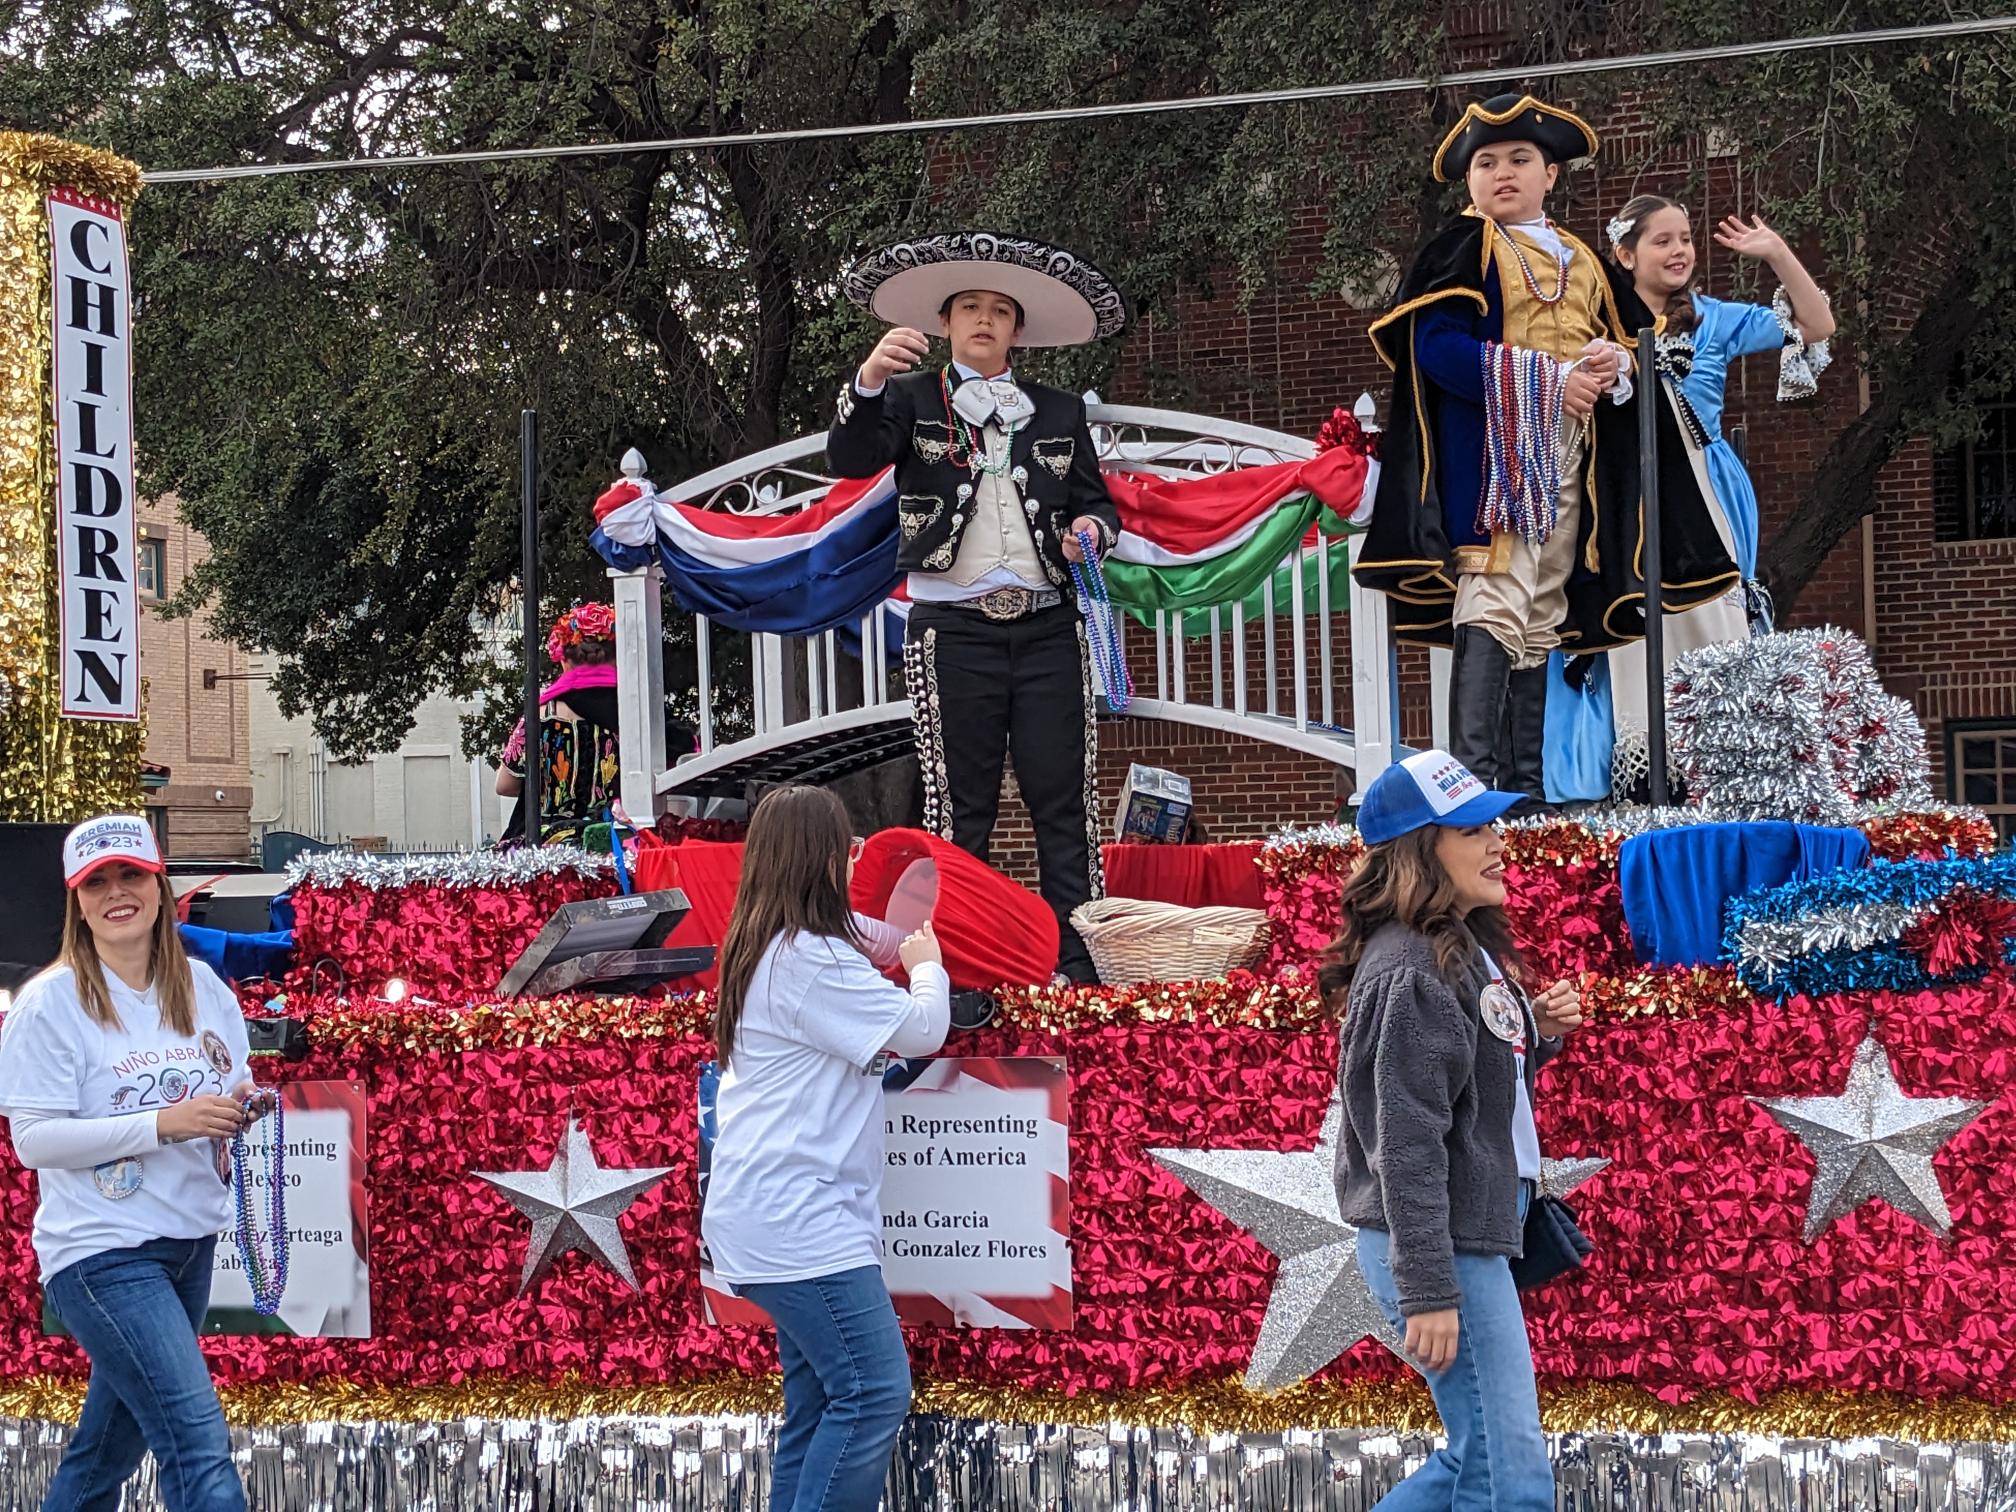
(984, 691)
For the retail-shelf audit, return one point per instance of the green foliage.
(331, 366)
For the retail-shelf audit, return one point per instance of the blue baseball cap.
(1430, 787)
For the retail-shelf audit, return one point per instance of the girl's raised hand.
(1749, 239)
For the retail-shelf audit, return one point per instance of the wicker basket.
(1132, 940)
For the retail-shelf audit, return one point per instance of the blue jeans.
(1496, 1460)
(136, 1312)
(846, 1389)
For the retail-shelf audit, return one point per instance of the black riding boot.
(1520, 759)
(1477, 700)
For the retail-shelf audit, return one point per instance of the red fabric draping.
(1189, 514)
(1191, 876)
(708, 873)
(993, 932)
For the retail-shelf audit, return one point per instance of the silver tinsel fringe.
(955, 1465)
(1325, 834)
(512, 868)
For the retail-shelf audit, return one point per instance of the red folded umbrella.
(994, 931)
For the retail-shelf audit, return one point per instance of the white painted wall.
(423, 796)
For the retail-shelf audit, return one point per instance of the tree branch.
(1843, 488)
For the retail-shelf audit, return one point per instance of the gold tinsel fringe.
(47, 163)
(1219, 1406)
(52, 769)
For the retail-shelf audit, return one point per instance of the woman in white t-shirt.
(124, 1072)
(793, 1217)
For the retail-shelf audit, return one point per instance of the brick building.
(1928, 580)
(199, 791)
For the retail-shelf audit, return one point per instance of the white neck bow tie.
(992, 401)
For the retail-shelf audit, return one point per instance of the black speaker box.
(31, 899)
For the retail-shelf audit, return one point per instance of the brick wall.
(202, 735)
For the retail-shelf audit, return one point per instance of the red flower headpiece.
(584, 622)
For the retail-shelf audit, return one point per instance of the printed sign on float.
(976, 1193)
(91, 387)
(328, 1291)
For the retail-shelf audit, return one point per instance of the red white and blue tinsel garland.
(1899, 927)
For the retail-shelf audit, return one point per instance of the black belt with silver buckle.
(1005, 604)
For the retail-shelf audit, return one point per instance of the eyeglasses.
(855, 847)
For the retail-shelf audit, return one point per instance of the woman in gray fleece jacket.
(1440, 1157)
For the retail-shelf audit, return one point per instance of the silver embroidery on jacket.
(920, 680)
(932, 440)
(917, 513)
(1054, 455)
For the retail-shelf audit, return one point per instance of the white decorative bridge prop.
(1305, 662)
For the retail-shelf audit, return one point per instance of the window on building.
(153, 569)
(1974, 484)
(1981, 767)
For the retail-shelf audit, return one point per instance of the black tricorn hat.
(1513, 118)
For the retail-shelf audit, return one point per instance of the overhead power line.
(1476, 76)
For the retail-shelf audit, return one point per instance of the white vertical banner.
(91, 298)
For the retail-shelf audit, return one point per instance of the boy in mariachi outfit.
(998, 493)
(1507, 518)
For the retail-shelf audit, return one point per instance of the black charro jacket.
(1054, 468)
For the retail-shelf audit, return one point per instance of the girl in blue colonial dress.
(1596, 741)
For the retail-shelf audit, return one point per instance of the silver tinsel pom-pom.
(489, 869)
(6, 693)
(1793, 725)
(1890, 764)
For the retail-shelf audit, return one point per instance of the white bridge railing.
(1313, 678)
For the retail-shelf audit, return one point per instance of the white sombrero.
(1064, 299)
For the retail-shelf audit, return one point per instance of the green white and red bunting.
(1195, 542)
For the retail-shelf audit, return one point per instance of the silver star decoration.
(574, 1204)
(1560, 1177)
(1873, 1141)
(1320, 1305)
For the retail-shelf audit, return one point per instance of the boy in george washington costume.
(1507, 518)
(998, 488)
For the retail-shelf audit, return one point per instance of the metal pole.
(1649, 400)
(528, 577)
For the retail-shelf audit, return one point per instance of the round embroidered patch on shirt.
(216, 1052)
(1501, 1013)
(118, 1178)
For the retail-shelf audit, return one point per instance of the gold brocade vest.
(1561, 329)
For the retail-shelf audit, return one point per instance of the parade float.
(1785, 1127)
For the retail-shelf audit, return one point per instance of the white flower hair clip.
(1618, 229)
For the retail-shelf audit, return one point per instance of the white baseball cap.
(108, 838)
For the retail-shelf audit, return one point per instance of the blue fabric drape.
(239, 957)
(835, 581)
(1677, 882)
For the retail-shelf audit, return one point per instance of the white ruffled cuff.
(1801, 362)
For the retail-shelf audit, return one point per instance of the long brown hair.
(1681, 315)
(1402, 881)
(168, 963)
(794, 881)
